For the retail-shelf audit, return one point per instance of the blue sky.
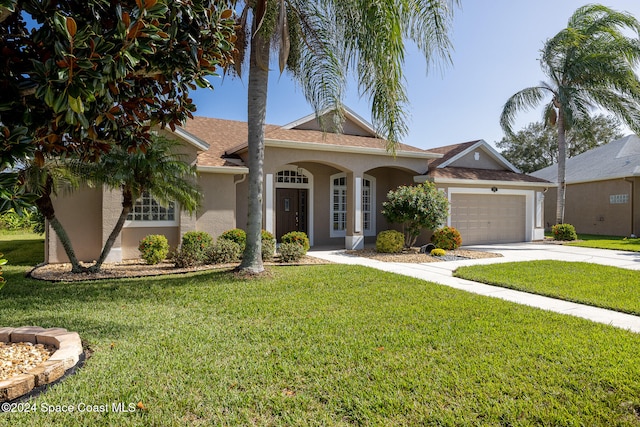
(496, 51)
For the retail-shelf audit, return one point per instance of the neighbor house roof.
(617, 159)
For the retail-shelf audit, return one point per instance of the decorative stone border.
(67, 355)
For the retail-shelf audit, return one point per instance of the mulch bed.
(137, 268)
(413, 255)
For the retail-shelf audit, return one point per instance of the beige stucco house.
(329, 185)
(603, 189)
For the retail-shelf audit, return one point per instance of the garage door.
(489, 218)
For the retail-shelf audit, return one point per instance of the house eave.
(606, 178)
(483, 182)
(316, 146)
(191, 139)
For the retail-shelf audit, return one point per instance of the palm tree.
(159, 170)
(590, 63)
(321, 42)
(38, 181)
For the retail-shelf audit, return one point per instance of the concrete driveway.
(441, 272)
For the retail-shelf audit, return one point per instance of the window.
(618, 199)
(339, 205)
(368, 205)
(147, 211)
(289, 176)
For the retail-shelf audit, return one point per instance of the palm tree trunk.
(562, 169)
(257, 108)
(45, 206)
(127, 204)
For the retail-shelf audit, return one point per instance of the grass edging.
(584, 283)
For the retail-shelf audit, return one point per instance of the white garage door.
(482, 218)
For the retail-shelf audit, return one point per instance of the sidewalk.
(441, 272)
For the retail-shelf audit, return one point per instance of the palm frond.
(523, 100)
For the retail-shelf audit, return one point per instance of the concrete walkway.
(441, 272)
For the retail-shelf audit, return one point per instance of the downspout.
(632, 193)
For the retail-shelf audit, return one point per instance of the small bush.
(438, 252)
(291, 252)
(564, 232)
(224, 251)
(236, 235)
(447, 238)
(298, 237)
(195, 246)
(154, 248)
(389, 242)
(184, 259)
(268, 245)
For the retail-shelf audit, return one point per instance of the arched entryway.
(293, 201)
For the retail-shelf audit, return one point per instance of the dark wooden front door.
(291, 212)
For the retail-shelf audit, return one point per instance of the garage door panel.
(489, 218)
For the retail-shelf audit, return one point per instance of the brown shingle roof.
(225, 135)
(448, 152)
(482, 174)
(330, 138)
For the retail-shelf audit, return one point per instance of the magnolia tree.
(416, 208)
(79, 76)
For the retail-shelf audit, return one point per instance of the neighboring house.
(603, 189)
(329, 185)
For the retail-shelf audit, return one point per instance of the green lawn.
(22, 247)
(323, 345)
(593, 284)
(607, 242)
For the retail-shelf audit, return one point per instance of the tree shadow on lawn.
(23, 252)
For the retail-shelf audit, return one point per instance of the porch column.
(354, 238)
(269, 217)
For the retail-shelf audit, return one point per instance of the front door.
(291, 212)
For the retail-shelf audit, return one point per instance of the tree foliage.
(536, 146)
(78, 76)
(322, 43)
(160, 171)
(416, 208)
(590, 63)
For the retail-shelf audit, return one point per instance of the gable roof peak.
(452, 153)
(349, 115)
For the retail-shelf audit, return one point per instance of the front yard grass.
(592, 284)
(322, 345)
(607, 242)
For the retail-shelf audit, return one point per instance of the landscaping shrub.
(154, 248)
(416, 207)
(195, 246)
(438, 252)
(183, 259)
(447, 238)
(389, 242)
(564, 232)
(298, 237)
(28, 219)
(236, 235)
(224, 251)
(268, 245)
(291, 251)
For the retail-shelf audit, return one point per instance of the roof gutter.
(482, 182)
(228, 170)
